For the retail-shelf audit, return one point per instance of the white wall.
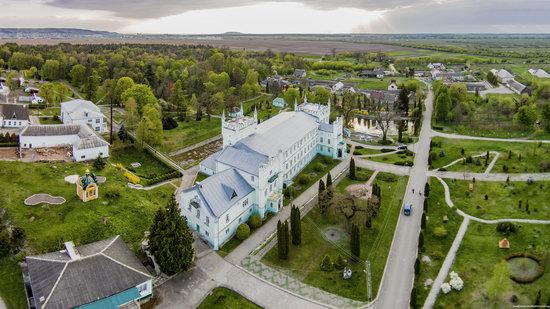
(13, 123)
(90, 153)
(47, 141)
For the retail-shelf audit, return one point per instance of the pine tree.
(296, 226)
(171, 241)
(280, 241)
(352, 175)
(426, 205)
(355, 244)
(122, 134)
(427, 190)
(423, 222)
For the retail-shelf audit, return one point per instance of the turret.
(295, 104)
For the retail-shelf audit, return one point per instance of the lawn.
(127, 154)
(502, 199)
(403, 156)
(49, 120)
(317, 168)
(476, 258)
(189, 133)
(436, 247)
(49, 111)
(224, 298)
(532, 154)
(361, 151)
(11, 285)
(48, 227)
(234, 242)
(304, 261)
(473, 166)
(467, 129)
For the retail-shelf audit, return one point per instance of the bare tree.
(383, 116)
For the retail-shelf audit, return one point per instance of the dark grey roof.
(519, 87)
(242, 157)
(222, 190)
(210, 162)
(52, 129)
(20, 111)
(105, 268)
(325, 127)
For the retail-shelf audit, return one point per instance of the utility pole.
(111, 99)
(369, 280)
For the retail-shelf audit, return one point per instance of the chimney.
(71, 250)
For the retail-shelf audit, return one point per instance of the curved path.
(449, 259)
(493, 139)
(382, 167)
(490, 177)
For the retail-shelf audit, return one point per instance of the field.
(502, 199)
(304, 261)
(190, 133)
(532, 154)
(477, 269)
(227, 299)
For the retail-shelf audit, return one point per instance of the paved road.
(491, 176)
(397, 280)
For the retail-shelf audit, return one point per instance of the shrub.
(255, 221)
(404, 163)
(442, 153)
(119, 166)
(326, 264)
(326, 160)
(132, 178)
(440, 232)
(386, 142)
(385, 150)
(99, 163)
(303, 179)
(445, 288)
(544, 166)
(506, 228)
(356, 153)
(505, 168)
(113, 193)
(340, 262)
(243, 231)
(289, 192)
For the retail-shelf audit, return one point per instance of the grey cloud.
(161, 8)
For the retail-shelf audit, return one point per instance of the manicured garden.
(487, 273)
(317, 168)
(189, 133)
(402, 157)
(438, 237)
(227, 299)
(514, 157)
(327, 235)
(126, 154)
(496, 200)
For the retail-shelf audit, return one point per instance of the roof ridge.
(110, 244)
(54, 286)
(120, 263)
(46, 259)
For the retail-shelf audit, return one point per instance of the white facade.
(83, 112)
(262, 158)
(85, 144)
(14, 115)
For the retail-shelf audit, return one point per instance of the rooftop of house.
(87, 137)
(222, 190)
(73, 105)
(14, 111)
(84, 274)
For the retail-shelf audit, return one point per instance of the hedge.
(161, 178)
(404, 163)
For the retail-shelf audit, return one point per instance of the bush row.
(161, 178)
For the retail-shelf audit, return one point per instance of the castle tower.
(237, 128)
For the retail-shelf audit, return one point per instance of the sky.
(281, 16)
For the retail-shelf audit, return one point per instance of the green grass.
(48, 226)
(472, 167)
(50, 111)
(313, 176)
(467, 129)
(200, 177)
(503, 200)
(532, 154)
(477, 256)
(11, 285)
(360, 151)
(392, 158)
(234, 242)
(304, 261)
(127, 154)
(435, 247)
(49, 120)
(224, 298)
(190, 133)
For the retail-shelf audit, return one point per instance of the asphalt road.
(398, 277)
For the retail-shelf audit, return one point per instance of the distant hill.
(53, 33)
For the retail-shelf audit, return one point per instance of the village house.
(14, 115)
(103, 274)
(84, 142)
(257, 161)
(540, 73)
(378, 73)
(502, 75)
(83, 112)
(436, 66)
(393, 86)
(299, 73)
(518, 87)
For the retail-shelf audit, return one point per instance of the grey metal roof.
(326, 127)
(280, 132)
(90, 142)
(21, 111)
(73, 105)
(242, 157)
(223, 190)
(104, 268)
(210, 161)
(519, 87)
(51, 129)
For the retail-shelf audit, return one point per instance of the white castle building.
(256, 162)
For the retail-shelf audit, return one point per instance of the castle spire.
(305, 97)
(255, 113)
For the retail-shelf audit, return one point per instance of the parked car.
(407, 209)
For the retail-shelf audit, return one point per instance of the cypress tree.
(427, 190)
(355, 244)
(417, 267)
(352, 175)
(280, 241)
(413, 303)
(421, 240)
(423, 222)
(425, 205)
(171, 241)
(287, 240)
(329, 180)
(298, 227)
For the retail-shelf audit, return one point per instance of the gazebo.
(86, 187)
